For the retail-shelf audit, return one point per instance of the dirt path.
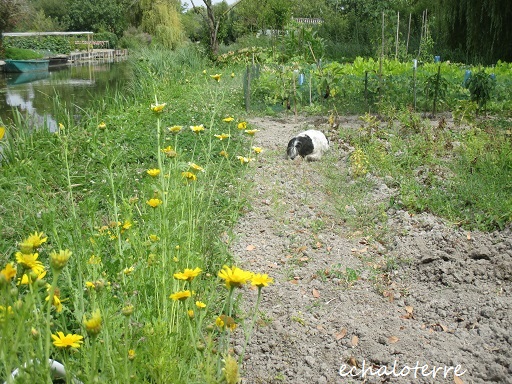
(335, 303)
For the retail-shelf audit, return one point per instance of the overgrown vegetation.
(22, 54)
(111, 227)
(462, 174)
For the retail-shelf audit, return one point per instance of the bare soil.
(337, 313)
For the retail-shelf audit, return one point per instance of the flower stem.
(251, 326)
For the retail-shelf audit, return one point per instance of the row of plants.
(368, 85)
(111, 267)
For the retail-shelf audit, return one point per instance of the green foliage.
(459, 174)
(161, 20)
(480, 86)
(46, 44)
(96, 16)
(107, 36)
(21, 54)
(478, 31)
(358, 87)
(87, 187)
(302, 43)
(134, 39)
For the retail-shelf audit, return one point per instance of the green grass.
(86, 189)
(21, 54)
(461, 174)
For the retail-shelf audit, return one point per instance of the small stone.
(310, 360)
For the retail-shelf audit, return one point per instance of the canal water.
(76, 85)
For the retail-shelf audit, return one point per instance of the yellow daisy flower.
(153, 172)
(261, 280)
(34, 241)
(8, 272)
(154, 202)
(196, 167)
(181, 295)
(102, 125)
(257, 150)
(93, 324)
(234, 276)
(2, 132)
(29, 278)
(169, 152)
(94, 260)
(225, 322)
(188, 274)
(216, 77)
(154, 238)
(90, 285)
(60, 259)
(242, 125)
(197, 128)
(251, 132)
(175, 128)
(228, 119)
(69, 340)
(200, 304)
(189, 176)
(29, 261)
(126, 225)
(223, 136)
(244, 160)
(57, 303)
(224, 154)
(158, 107)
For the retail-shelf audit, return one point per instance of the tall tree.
(11, 11)
(85, 15)
(161, 20)
(213, 20)
(478, 29)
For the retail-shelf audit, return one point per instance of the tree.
(98, 16)
(11, 11)
(478, 29)
(161, 20)
(213, 20)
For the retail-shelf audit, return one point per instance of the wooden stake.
(408, 35)
(397, 27)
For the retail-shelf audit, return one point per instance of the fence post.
(414, 66)
(247, 87)
(436, 90)
(366, 89)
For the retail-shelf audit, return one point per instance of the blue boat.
(25, 65)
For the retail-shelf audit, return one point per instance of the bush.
(46, 44)
(107, 36)
(133, 38)
(21, 54)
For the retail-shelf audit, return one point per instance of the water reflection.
(33, 94)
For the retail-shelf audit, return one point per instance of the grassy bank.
(109, 250)
(459, 172)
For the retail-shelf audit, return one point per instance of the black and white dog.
(310, 145)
